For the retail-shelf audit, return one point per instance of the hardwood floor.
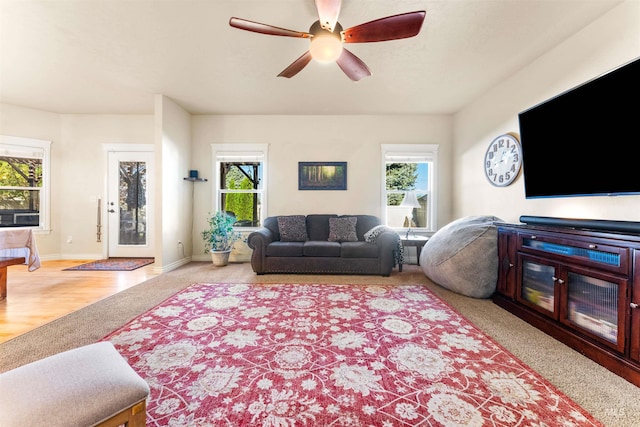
(38, 297)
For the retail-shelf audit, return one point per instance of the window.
(24, 182)
(239, 182)
(409, 194)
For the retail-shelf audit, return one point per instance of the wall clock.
(503, 160)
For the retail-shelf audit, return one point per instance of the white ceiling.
(112, 56)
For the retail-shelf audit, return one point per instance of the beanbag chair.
(463, 256)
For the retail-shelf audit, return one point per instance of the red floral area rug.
(330, 355)
(112, 264)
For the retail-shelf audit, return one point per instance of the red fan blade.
(328, 11)
(296, 66)
(383, 29)
(257, 27)
(352, 66)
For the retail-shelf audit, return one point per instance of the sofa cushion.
(365, 223)
(272, 224)
(284, 249)
(343, 229)
(293, 228)
(318, 226)
(463, 256)
(359, 250)
(322, 249)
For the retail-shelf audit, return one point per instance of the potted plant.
(220, 237)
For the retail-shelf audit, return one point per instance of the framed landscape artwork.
(322, 175)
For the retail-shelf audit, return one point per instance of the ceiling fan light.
(326, 47)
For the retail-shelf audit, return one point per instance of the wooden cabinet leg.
(3, 283)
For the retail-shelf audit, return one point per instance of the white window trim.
(411, 153)
(45, 196)
(226, 152)
(111, 147)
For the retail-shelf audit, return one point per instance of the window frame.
(228, 153)
(18, 143)
(412, 153)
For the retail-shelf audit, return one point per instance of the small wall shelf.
(196, 179)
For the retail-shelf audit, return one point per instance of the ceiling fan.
(327, 37)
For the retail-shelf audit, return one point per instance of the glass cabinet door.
(593, 306)
(537, 286)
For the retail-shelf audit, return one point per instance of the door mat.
(113, 264)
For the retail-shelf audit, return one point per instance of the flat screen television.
(583, 141)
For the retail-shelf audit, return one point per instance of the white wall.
(292, 139)
(173, 194)
(80, 164)
(612, 40)
(78, 174)
(184, 142)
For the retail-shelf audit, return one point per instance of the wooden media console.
(580, 286)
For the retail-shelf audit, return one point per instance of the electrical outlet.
(69, 239)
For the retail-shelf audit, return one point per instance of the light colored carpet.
(611, 399)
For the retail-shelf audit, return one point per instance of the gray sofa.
(324, 243)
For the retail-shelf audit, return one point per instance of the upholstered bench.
(87, 386)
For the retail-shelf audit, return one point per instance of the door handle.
(112, 211)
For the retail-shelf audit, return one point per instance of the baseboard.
(79, 257)
(172, 266)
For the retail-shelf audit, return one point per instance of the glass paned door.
(132, 203)
(593, 306)
(129, 205)
(538, 287)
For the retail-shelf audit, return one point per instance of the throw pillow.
(293, 228)
(343, 229)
